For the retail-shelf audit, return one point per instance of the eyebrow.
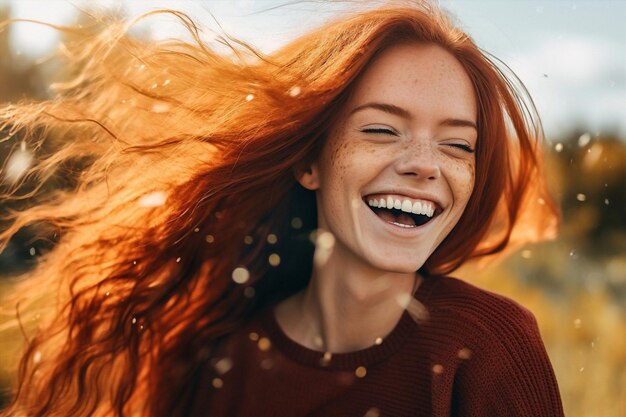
(399, 111)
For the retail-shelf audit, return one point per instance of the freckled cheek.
(464, 181)
(461, 177)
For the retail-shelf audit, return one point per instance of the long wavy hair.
(186, 218)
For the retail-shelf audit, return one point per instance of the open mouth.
(405, 213)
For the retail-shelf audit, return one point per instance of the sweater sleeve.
(509, 372)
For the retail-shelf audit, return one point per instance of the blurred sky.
(571, 54)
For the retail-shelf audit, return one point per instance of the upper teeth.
(425, 208)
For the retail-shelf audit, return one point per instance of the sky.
(570, 54)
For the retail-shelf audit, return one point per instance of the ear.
(308, 176)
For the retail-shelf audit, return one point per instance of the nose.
(419, 161)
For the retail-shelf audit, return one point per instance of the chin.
(398, 266)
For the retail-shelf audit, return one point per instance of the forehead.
(425, 79)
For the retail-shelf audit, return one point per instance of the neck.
(347, 305)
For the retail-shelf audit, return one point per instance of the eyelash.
(463, 147)
(379, 130)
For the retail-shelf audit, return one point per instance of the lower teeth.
(404, 225)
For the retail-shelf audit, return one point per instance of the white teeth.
(419, 207)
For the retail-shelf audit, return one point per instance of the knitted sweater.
(477, 355)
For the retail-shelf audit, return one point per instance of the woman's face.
(397, 169)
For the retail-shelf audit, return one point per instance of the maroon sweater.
(478, 355)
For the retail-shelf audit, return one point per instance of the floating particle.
(582, 369)
(417, 310)
(17, 164)
(37, 357)
(606, 201)
(264, 343)
(274, 259)
(154, 199)
(360, 372)
(296, 223)
(272, 239)
(141, 67)
(581, 197)
(32, 251)
(378, 341)
(325, 240)
(217, 383)
(107, 293)
(134, 262)
(541, 201)
(527, 254)
(573, 254)
(438, 369)
(584, 139)
(249, 292)
(267, 364)
(295, 91)
(160, 108)
(464, 353)
(558, 147)
(240, 275)
(166, 82)
(248, 240)
(250, 97)
(372, 412)
(324, 244)
(178, 259)
(325, 360)
(404, 299)
(134, 320)
(223, 365)
(154, 85)
(197, 229)
(317, 341)
(578, 323)
(254, 336)
(209, 239)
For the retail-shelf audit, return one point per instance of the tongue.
(390, 217)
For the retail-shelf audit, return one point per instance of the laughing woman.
(273, 235)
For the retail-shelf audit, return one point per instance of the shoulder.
(480, 311)
(504, 369)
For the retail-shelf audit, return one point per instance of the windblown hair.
(188, 187)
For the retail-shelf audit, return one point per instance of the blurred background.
(571, 55)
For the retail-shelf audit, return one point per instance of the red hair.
(144, 289)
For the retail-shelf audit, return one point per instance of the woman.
(187, 283)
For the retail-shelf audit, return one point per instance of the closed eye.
(463, 147)
(379, 130)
